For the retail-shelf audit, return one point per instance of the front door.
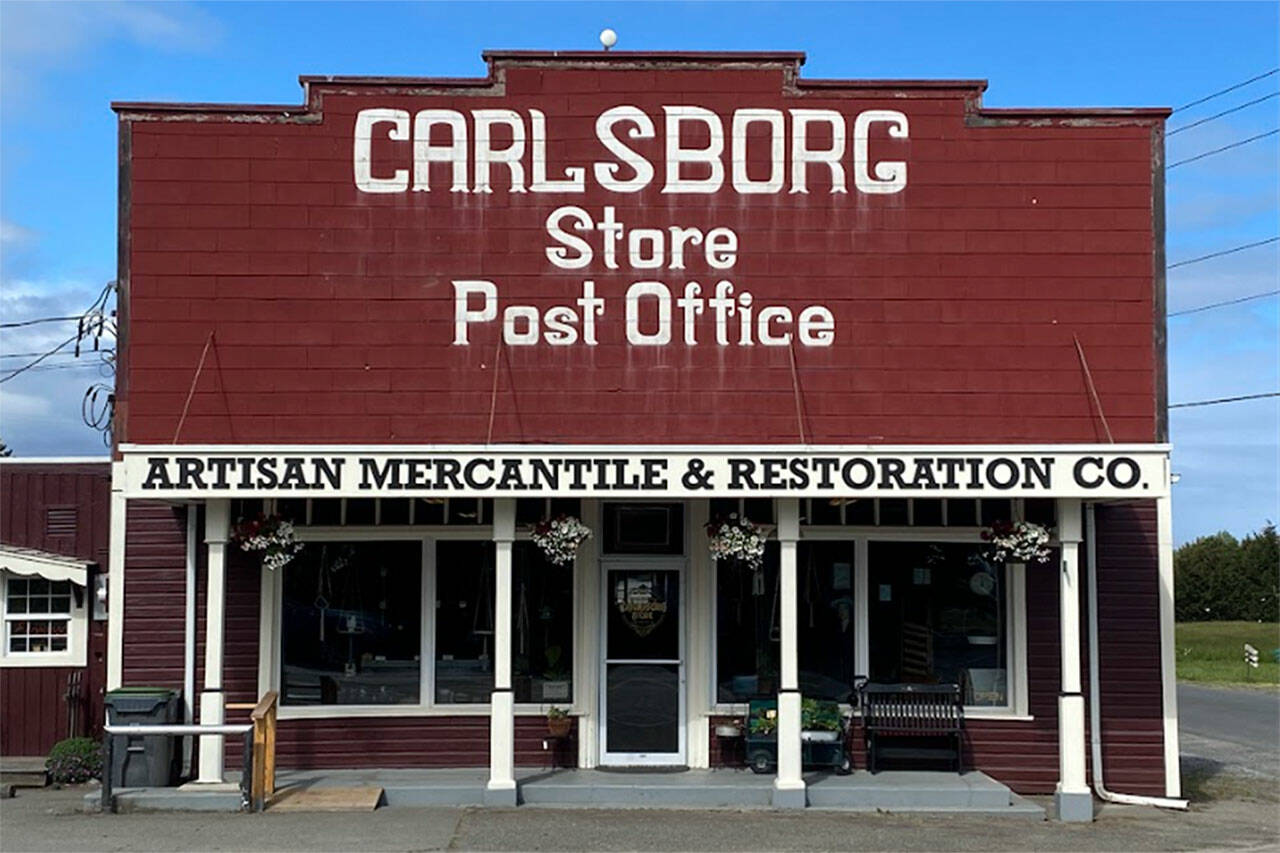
(642, 684)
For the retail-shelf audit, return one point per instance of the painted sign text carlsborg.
(601, 473)
(469, 153)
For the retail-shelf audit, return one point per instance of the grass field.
(1213, 652)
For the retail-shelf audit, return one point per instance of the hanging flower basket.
(737, 540)
(560, 537)
(1017, 542)
(270, 535)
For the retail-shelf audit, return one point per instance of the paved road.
(48, 821)
(1238, 728)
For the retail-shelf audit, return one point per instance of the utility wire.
(39, 320)
(32, 364)
(1221, 304)
(1223, 252)
(1223, 113)
(1271, 132)
(1199, 101)
(20, 354)
(1224, 400)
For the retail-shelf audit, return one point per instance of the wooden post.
(263, 766)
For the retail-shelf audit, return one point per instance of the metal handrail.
(114, 732)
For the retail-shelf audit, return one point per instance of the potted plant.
(555, 683)
(729, 728)
(737, 540)
(558, 722)
(560, 537)
(819, 721)
(1017, 542)
(271, 535)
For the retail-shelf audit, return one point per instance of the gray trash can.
(150, 761)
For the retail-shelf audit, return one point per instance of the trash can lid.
(162, 692)
(139, 700)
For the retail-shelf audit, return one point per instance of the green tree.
(1260, 570)
(1221, 578)
(1203, 574)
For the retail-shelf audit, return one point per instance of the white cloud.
(13, 235)
(37, 37)
(40, 409)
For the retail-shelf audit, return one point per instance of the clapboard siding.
(1129, 647)
(154, 592)
(31, 489)
(407, 742)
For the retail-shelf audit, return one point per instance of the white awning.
(54, 567)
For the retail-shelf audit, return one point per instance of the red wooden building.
(54, 531)
(416, 316)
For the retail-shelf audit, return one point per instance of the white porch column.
(217, 526)
(788, 787)
(1073, 798)
(115, 579)
(1168, 659)
(501, 790)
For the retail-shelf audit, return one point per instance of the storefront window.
(825, 624)
(938, 615)
(747, 629)
(351, 624)
(748, 624)
(464, 622)
(542, 629)
(541, 624)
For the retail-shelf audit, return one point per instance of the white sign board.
(1094, 473)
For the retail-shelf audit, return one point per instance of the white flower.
(560, 537)
(737, 540)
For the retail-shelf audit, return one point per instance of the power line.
(1228, 89)
(20, 354)
(1221, 304)
(32, 364)
(39, 320)
(1224, 400)
(1223, 113)
(1223, 252)
(85, 327)
(1271, 132)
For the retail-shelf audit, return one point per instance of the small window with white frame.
(38, 615)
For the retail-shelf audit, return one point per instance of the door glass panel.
(643, 617)
(643, 707)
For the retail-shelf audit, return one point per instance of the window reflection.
(938, 615)
(351, 624)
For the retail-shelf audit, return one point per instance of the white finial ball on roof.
(608, 38)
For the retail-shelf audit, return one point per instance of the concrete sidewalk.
(50, 820)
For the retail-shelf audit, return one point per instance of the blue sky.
(62, 63)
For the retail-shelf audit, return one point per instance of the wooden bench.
(915, 711)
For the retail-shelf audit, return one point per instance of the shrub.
(76, 759)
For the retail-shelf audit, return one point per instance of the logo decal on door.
(641, 606)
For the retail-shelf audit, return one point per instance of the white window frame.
(270, 622)
(860, 537)
(77, 619)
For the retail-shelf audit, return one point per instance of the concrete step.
(623, 794)
(207, 798)
(899, 790)
(23, 771)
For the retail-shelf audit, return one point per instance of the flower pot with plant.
(819, 721)
(559, 723)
